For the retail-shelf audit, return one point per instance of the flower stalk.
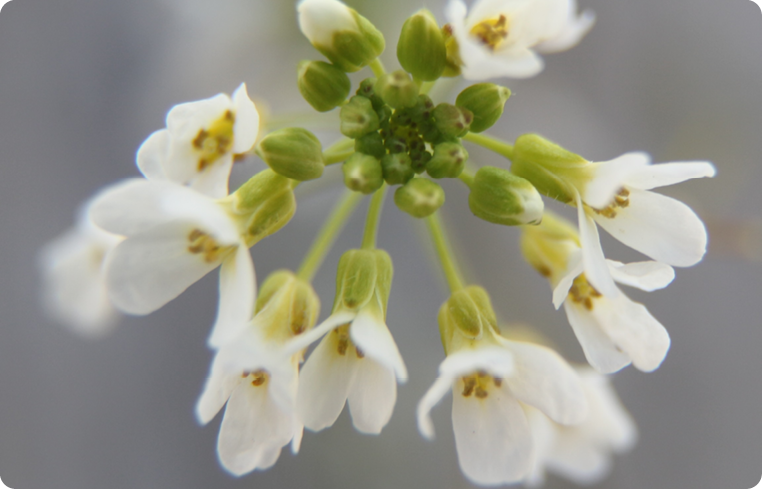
(444, 253)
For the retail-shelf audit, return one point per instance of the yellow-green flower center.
(621, 200)
(215, 141)
(480, 384)
(583, 293)
(200, 243)
(491, 32)
(344, 342)
(257, 378)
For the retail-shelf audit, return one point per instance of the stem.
(374, 216)
(378, 67)
(339, 151)
(327, 235)
(491, 143)
(467, 178)
(449, 265)
(301, 119)
(427, 86)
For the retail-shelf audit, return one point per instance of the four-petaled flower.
(200, 142)
(502, 37)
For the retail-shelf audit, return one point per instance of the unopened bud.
(362, 173)
(358, 117)
(293, 152)
(286, 306)
(267, 203)
(421, 47)
(371, 144)
(452, 121)
(466, 315)
(500, 197)
(362, 275)
(345, 37)
(420, 197)
(397, 168)
(486, 102)
(554, 171)
(323, 85)
(448, 160)
(397, 89)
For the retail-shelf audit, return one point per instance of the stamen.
(583, 293)
(621, 200)
(259, 377)
(479, 384)
(492, 32)
(215, 141)
(200, 243)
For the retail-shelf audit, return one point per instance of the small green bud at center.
(486, 102)
(358, 117)
(397, 89)
(323, 85)
(363, 173)
(419, 197)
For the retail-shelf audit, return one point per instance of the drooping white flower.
(357, 362)
(75, 290)
(257, 381)
(201, 139)
(491, 378)
(613, 331)
(582, 453)
(502, 37)
(174, 236)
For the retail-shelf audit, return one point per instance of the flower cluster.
(519, 409)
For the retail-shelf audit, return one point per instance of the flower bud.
(465, 316)
(397, 168)
(419, 197)
(554, 171)
(371, 144)
(293, 152)
(286, 305)
(266, 202)
(358, 117)
(500, 197)
(548, 246)
(452, 121)
(362, 173)
(363, 274)
(322, 85)
(486, 102)
(448, 160)
(421, 47)
(397, 89)
(345, 37)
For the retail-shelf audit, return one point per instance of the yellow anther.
(583, 293)
(214, 141)
(480, 384)
(492, 32)
(201, 243)
(621, 200)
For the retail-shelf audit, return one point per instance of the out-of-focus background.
(84, 82)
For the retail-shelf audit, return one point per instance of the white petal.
(246, 127)
(152, 154)
(372, 396)
(150, 269)
(575, 267)
(665, 174)
(324, 384)
(544, 434)
(213, 181)
(304, 340)
(612, 423)
(596, 270)
(184, 121)
(600, 350)
(253, 430)
(238, 291)
(572, 33)
(644, 275)
(296, 441)
(492, 9)
(610, 177)
(660, 227)
(544, 380)
(492, 437)
(372, 336)
(320, 19)
(583, 464)
(495, 360)
(634, 330)
(432, 397)
(219, 385)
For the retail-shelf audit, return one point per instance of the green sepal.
(500, 197)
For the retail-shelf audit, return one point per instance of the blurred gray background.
(84, 82)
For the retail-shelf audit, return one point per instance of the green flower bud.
(397, 89)
(286, 305)
(554, 171)
(465, 316)
(345, 37)
(361, 276)
(448, 160)
(371, 144)
(500, 197)
(419, 197)
(366, 88)
(362, 173)
(358, 117)
(486, 102)
(293, 152)
(397, 168)
(322, 85)
(265, 203)
(452, 121)
(421, 47)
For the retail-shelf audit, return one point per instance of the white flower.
(491, 378)
(198, 146)
(582, 453)
(75, 291)
(501, 37)
(175, 236)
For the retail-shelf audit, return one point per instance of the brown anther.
(583, 293)
(260, 377)
(544, 271)
(469, 385)
(497, 381)
(621, 200)
(492, 32)
(198, 142)
(342, 347)
(359, 353)
(481, 393)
